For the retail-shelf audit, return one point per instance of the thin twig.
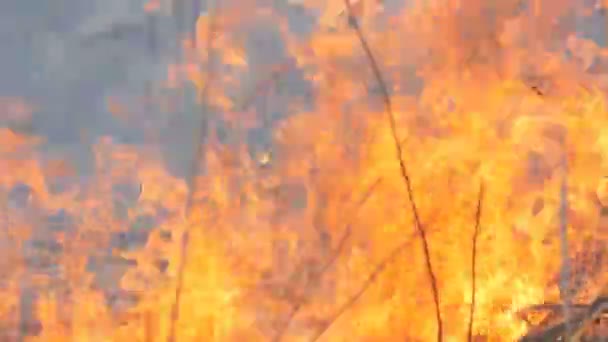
(177, 11)
(309, 287)
(557, 331)
(553, 307)
(474, 261)
(196, 12)
(263, 85)
(565, 254)
(552, 310)
(404, 174)
(194, 170)
(152, 33)
(368, 282)
(148, 335)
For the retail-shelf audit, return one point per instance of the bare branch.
(329, 262)
(474, 261)
(404, 174)
(263, 85)
(368, 282)
(194, 170)
(565, 254)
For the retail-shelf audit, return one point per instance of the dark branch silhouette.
(474, 261)
(404, 174)
(368, 282)
(330, 261)
(199, 135)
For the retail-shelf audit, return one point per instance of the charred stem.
(474, 262)
(368, 282)
(194, 170)
(328, 263)
(404, 174)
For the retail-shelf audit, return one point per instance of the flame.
(153, 6)
(298, 225)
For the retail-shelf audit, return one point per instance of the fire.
(297, 226)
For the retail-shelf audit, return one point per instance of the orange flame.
(299, 226)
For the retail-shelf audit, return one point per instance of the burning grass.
(348, 209)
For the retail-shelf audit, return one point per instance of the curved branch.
(402, 167)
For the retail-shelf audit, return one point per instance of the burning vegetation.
(364, 170)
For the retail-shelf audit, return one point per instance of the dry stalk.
(263, 86)
(310, 284)
(196, 10)
(368, 282)
(152, 34)
(565, 254)
(404, 174)
(199, 135)
(148, 330)
(177, 11)
(474, 261)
